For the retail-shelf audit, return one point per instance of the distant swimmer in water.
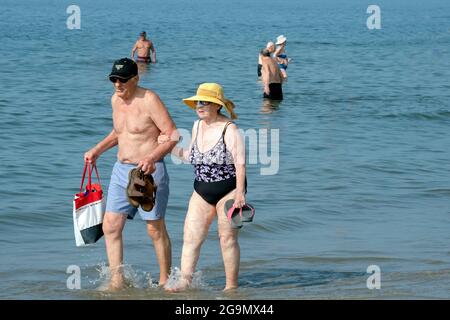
(143, 47)
(281, 56)
(271, 77)
(271, 47)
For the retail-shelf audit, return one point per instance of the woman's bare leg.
(196, 225)
(231, 251)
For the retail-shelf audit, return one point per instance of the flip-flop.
(133, 190)
(248, 211)
(234, 215)
(141, 190)
(149, 199)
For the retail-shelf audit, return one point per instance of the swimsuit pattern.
(213, 165)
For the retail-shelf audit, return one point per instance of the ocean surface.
(362, 176)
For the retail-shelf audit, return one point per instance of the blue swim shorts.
(117, 201)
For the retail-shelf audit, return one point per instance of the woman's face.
(207, 110)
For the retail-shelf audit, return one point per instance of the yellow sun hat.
(211, 92)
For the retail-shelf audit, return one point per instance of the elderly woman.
(217, 152)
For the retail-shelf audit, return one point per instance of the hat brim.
(281, 41)
(192, 101)
(120, 77)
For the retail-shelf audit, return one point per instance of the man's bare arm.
(133, 51)
(165, 124)
(182, 153)
(152, 47)
(265, 76)
(107, 143)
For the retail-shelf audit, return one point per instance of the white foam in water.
(150, 282)
(133, 278)
(103, 272)
(174, 282)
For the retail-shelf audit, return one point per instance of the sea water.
(360, 184)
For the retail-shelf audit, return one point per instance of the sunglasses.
(203, 103)
(114, 79)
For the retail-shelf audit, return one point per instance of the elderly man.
(271, 77)
(143, 47)
(271, 47)
(139, 116)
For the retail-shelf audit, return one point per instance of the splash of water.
(176, 281)
(133, 278)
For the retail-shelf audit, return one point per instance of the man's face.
(124, 88)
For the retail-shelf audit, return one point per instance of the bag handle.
(89, 167)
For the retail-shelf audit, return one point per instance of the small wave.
(293, 278)
(30, 220)
(381, 168)
(434, 193)
(277, 225)
(440, 191)
(439, 115)
(352, 259)
(354, 99)
(324, 260)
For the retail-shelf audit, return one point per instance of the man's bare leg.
(113, 225)
(158, 233)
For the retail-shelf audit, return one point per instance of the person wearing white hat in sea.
(281, 56)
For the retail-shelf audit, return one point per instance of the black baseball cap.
(124, 68)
